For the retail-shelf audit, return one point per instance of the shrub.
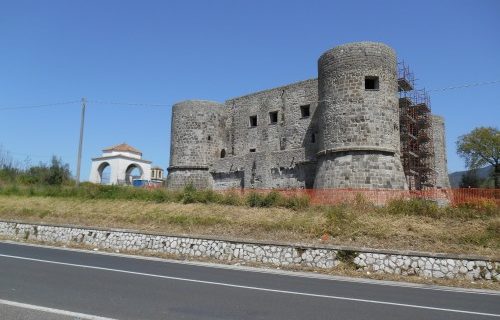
(297, 202)
(209, 196)
(12, 190)
(55, 174)
(160, 196)
(231, 198)
(347, 257)
(254, 199)
(336, 217)
(189, 194)
(272, 199)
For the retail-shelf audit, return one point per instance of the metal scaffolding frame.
(415, 122)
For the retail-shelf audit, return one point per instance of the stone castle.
(341, 130)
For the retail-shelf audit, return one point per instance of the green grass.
(416, 207)
(409, 225)
(427, 208)
(188, 195)
(336, 214)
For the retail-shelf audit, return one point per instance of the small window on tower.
(223, 153)
(209, 138)
(371, 83)
(253, 121)
(313, 138)
(305, 111)
(253, 150)
(273, 117)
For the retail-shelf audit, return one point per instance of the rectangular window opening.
(305, 111)
(253, 150)
(253, 121)
(273, 117)
(371, 83)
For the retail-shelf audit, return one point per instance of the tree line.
(55, 173)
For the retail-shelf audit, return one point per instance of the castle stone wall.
(291, 131)
(359, 140)
(329, 132)
(199, 178)
(353, 117)
(440, 159)
(360, 169)
(278, 169)
(195, 142)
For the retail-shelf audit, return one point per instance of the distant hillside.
(456, 177)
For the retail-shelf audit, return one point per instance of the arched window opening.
(223, 153)
(133, 172)
(104, 173)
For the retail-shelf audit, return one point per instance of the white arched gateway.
(120, 164)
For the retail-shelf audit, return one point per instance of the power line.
(56, 104)
(40, 105)
(128, 103)
(463, 86)
(469, 85)
(34, 155)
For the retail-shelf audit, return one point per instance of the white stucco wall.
(123, 153)
(118, 165)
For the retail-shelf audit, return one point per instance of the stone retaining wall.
(421, 264)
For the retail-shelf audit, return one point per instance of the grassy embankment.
(401, 224)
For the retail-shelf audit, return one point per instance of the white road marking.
(252, 288)
(52, 310)
(266, 270)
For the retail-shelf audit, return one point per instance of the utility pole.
(79, 163)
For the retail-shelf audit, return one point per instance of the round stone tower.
(359, 118)
(194, 143)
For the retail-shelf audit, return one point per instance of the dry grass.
(357, 225)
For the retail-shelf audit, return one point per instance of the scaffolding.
(406, 79)
(415, 122)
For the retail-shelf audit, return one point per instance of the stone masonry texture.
(329, 132)
(278, 255)
(441, 165)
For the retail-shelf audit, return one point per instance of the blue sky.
(162, 52)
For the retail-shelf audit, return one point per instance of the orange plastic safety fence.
(381, 197)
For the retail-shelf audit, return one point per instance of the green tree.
(470, 180)
(56, 174)
(481, 147)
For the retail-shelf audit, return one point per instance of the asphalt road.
(36, 281)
